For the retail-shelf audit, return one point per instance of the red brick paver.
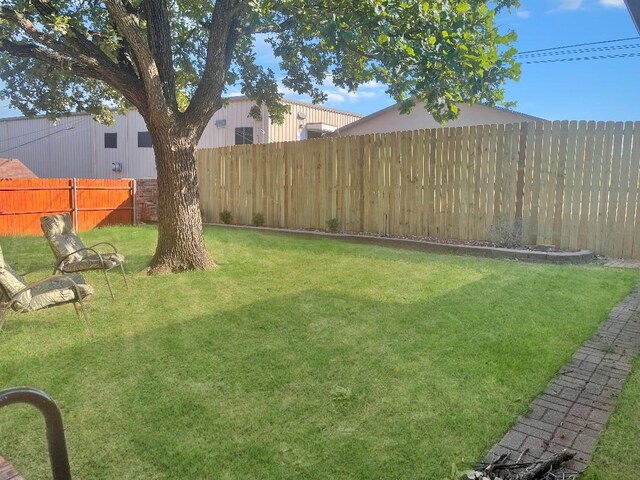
(574, 408)
(7, 472)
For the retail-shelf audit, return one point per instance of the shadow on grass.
(315, 384)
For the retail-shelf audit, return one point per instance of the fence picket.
(575, 185)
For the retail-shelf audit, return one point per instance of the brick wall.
(146, 200)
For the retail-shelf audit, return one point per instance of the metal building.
(77, 146)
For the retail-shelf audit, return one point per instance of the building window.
(244, 136)
(314, 134)
(110, 140)
(144, 140)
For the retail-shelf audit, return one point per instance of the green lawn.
(298, 358)
(617, 456)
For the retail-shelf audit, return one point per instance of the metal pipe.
(53, 421)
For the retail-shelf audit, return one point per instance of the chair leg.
(106, 277)
(4, 313)
(124, 277)
(84, 315)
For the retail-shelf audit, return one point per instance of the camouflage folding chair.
(72, 255)
(52, 291)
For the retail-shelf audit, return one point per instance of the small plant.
(258, 219)
(506, 232)
(341, 394)
(333, 225)
(226, 217)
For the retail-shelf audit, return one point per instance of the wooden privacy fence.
(90, 202)
(571, 184)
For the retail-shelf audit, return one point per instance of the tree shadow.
(315, 384)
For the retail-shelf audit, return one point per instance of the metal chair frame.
(4, 312)
(60, 268)
(56, 441)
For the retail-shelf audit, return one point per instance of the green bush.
(333, 225)
(226, 217)
(506, 232)
(258, 219)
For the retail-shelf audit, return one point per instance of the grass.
(617, 456)
(298, 358)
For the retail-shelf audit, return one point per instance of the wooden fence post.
(134, 215)
(74, 204)
(522, 155)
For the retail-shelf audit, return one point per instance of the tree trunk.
(180, 240)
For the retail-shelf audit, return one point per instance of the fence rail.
(91, 203)
(571, 184)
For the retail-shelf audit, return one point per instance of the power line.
(578, 59)
(582, 50)
(602, 42)
(8, 139)
(36, 139)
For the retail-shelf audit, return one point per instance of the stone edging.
(582, 256)
(575, 407)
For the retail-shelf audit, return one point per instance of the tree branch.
(61, 55)
(276, 28)
(223, 37)
(157, 109)
(29, 50)
(159, 39)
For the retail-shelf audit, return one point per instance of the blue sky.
(585, 90)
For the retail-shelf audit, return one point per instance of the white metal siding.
(295, 129)
(49, 149)
(391, 120)
(236, 114)
(74, 145)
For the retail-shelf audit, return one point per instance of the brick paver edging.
(574, 409)
(581, 256)
(7, 472)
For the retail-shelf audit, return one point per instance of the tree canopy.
(173, 59)
(93, 55)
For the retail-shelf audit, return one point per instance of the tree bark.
(180, 240)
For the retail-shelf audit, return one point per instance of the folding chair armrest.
(115, 250)
(89, 249)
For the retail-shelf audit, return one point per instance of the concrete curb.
(581, 256)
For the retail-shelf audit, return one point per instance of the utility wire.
(578, 59)
(602, 42)
(37, 131)
(36, 139)
(581, 50)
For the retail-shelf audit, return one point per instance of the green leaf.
(383, 39)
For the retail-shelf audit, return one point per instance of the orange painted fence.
(91, 203)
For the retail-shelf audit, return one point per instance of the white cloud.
(335, 97)
(567, 6)
(523, 14)
(612, 3)
(340, 95)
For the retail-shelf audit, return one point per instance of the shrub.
(333, 225)
(226, 217)
(506, 232)
(258, 219)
